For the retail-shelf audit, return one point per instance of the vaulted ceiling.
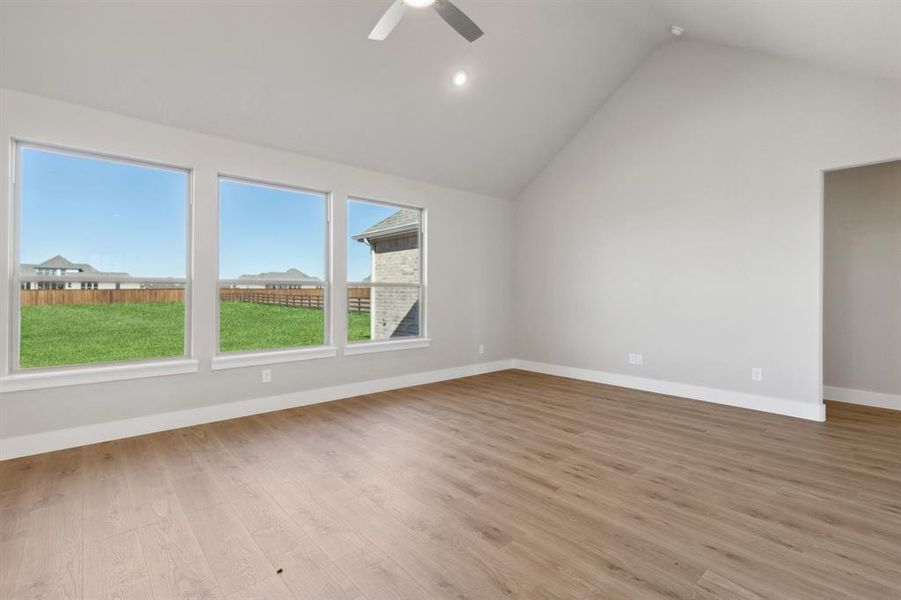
(855, 35)
(302, 76)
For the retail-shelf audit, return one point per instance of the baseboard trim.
(61, 439)
(864, 397)
(780, 406)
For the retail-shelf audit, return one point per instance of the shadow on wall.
(395, 313)
(395, 249)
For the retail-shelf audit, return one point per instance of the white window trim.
(12, 376)
(422, 340)
(386, 345)
(248, 358)
(51, 378)
(238, 360)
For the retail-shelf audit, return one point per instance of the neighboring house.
(394, 247)
(58, 268)
(258, 281)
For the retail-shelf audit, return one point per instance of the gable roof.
(61, 262)
(405, 220)
(292, 273)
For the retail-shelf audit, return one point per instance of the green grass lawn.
(358, 327)
(92, 333)
(248, 326)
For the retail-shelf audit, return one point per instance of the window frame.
(248, 358)
(12, 376)
(403, 343)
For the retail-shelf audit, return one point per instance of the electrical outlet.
(636, 359)
(267, 375)
(757, 374)
(481, 348)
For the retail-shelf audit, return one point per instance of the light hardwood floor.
(507, 485)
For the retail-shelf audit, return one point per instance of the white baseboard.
(878, 399)
(60, 439)
(780, 406)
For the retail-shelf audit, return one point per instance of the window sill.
(386, 346)
(35, 380)
(254, 359)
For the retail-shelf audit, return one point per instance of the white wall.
(862, 279)
(684, 222)
(469, 253)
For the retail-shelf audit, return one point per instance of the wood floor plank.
(234, 557)
(151, 493)
(108, 507)
(311, 576)
(378, 576)
(52, 560)
(268, 589)
(116, 570)
(505, 485)
(271, 526)
(313, 512)
(175, 562)
(11, 552)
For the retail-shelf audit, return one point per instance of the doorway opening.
(862, 285)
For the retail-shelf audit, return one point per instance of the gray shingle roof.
(403, 221)
(57, 262)
(101, 275)
(61, 262)
(289, 274)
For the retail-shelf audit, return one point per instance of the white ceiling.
(303, 76)
(855, 35)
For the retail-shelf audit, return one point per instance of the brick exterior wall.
(395, 311)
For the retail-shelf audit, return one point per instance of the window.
(273, 284)
(85, 223)
(384, 271)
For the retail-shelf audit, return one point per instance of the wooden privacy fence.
(300, 298)
(358, 299)
(67, 297)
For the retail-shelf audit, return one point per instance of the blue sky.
(124, 217)
(360, 216)
(115, 216)
(266, 229)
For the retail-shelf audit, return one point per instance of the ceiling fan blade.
(388, 21)
(458, 20)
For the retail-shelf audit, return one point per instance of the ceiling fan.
(450, 13)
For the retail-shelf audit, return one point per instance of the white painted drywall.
(684, 221)
(469, 254)
(862, 279)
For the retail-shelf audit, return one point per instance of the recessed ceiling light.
(419, 3)
(460, 78)
(676, 31)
